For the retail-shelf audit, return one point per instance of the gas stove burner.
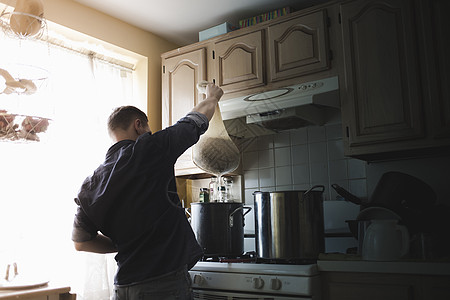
(290, 261)
(246, 257)
(251, 257)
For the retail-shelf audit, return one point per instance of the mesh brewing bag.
(215, 152)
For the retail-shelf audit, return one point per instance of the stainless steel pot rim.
(217, 203)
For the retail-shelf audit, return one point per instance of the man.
(129, 205)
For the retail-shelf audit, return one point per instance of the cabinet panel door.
(369, 291)
(298, 47)
(381, 101)
(436, 287)
(439, 44)
(239, 62)
(179, 80)
(180, 77)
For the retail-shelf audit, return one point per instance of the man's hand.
(213, 91)
(208, 106)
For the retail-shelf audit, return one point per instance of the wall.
(435, 171)
(106, 28)
(298, 159)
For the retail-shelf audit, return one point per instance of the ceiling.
(179, 21)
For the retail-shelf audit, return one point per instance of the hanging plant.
(26, 19)
(29, 129)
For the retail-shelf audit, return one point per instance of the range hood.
(285, 108)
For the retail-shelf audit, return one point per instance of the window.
(39, 180)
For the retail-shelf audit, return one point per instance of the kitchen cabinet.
(394, 102)
(435, 34)
(239, 62)
(381, 100)
(277, 51)
(179, 78)
(273, 54)
(298, 46)
(180, 74)
(348, 277)
(386, 286)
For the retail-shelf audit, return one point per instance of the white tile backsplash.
(283, 156)
(299, 136)
(265, 142)
(316, 134)
(283, 175)
(265, 158)
(356, 169)
(358, 188)
(338, 170)
(318, 152)
(300, 174)
(251, 179)
(300, 154)
(334, 131)
(284, 188)
(335, 149)
(300, 158)
(267, 177)
(250, 160)
(319, 171)
(282, 140)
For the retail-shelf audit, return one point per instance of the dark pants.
(176, 286)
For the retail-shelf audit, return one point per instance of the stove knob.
(258, 283)
(198, 279)
(275, 284)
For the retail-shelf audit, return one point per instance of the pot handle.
(231, 217)
(187, 211)
(322, 187)
(243, 216)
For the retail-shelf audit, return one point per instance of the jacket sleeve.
(185, 133)
(83, 229)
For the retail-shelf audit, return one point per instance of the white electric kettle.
(385, 240)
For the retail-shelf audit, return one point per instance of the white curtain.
(39, 180)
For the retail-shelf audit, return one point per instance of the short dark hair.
(123, 116)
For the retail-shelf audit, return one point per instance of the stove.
(255, 280)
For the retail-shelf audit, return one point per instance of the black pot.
(219, 227)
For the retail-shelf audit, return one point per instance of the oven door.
(221, 295)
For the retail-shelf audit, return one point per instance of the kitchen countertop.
(34, 292)
(353, 263)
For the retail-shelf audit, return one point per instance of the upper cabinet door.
(239, 62)
(437, 35)
(381, 100)
(180, 76)
(298, 47)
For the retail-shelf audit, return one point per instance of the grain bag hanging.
(215, 152)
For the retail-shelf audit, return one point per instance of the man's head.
(127, 122)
